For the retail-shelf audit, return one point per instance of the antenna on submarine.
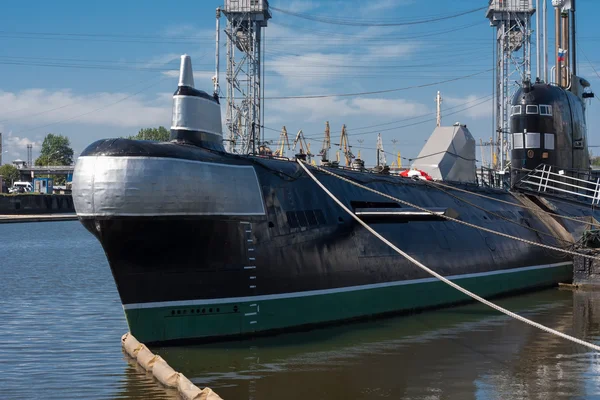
(565, 42)
(217, 45)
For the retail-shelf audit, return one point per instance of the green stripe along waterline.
(155, 322)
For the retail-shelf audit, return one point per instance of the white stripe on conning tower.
(432, 272)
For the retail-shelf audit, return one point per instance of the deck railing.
(582, 185)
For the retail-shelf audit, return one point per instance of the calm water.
(61, 323)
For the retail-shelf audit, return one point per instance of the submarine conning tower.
(196, 114)
(547, 118)
(547, 125)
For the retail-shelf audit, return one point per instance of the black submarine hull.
(204, 244)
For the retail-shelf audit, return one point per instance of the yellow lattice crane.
(324, 153)
(345, 147)
(398, 162)
(283, 141)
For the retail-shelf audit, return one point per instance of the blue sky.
(93, 70)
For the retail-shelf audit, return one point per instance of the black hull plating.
(305, 241)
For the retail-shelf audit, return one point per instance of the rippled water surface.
(61, 323)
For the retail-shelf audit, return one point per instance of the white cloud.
(332, 108)
(163, 59)
(318, 59)
(309, 67)
(390, 107)
(108, 109)
(589, 72)
(14, 146)
(393, 50)
(478, 109)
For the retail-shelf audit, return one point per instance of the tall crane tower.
(246, 20)
(326, 145)
(381, 161)
(512, 20)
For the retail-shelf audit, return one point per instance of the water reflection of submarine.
(477, 339)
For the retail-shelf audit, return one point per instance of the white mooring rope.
(443, 279)
(458, 221)
(574, 219)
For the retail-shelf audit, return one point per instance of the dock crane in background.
(304, 148)
(483, 163)
(345, 147)
(398, 162)
(381, 161)
(283, 141)
(493, 162)
(360, 142)
(326, 145)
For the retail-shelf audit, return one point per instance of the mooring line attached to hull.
(501, 216)
(440, 277)
(514, 204)
(506, 235)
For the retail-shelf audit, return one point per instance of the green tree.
(160, 134)
(9, 173)
(56, 150)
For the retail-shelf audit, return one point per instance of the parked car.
(21, 187)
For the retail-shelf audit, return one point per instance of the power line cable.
(403, 119)
(318, 137)
(439, 276)
(91, 97)
(415, 123)
(350, 37)
(588, 60)
(357, 22)
(322, 96)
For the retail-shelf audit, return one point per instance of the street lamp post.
(48, 161)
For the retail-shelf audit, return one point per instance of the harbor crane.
(398, 162)
(304, 147)
(381, 161)
(345, 147)
(283, 141)
(483, 162)
(326, 145)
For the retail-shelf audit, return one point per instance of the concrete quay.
(15, 218)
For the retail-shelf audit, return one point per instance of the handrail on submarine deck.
(584, 185)
(442, 278)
